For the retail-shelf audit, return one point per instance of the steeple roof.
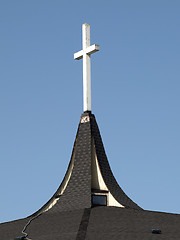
(81, 180)
(89, 203)
(71, 213)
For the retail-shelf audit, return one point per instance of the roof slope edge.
(106, 172)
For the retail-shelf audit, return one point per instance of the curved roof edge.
(106, 171)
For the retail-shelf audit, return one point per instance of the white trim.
(97, 181)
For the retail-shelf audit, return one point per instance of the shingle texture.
(111, 223)
(77, 194)
(118, 223)
(12, 229)
(73, 217)
(55, 226)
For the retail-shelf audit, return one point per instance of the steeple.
(89, 180)
(73, 212)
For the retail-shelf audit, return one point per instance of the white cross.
(86, 55)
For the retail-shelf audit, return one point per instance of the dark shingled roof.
(97, 223)
(72, 216)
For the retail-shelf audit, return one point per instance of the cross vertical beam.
(85, 53)
(86, 68)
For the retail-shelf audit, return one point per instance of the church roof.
(97, 223)
(70, 213)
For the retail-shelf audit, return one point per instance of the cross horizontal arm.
(92, 49)
(89, 50)
(78, 55)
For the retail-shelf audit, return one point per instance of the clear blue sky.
(135, 97)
